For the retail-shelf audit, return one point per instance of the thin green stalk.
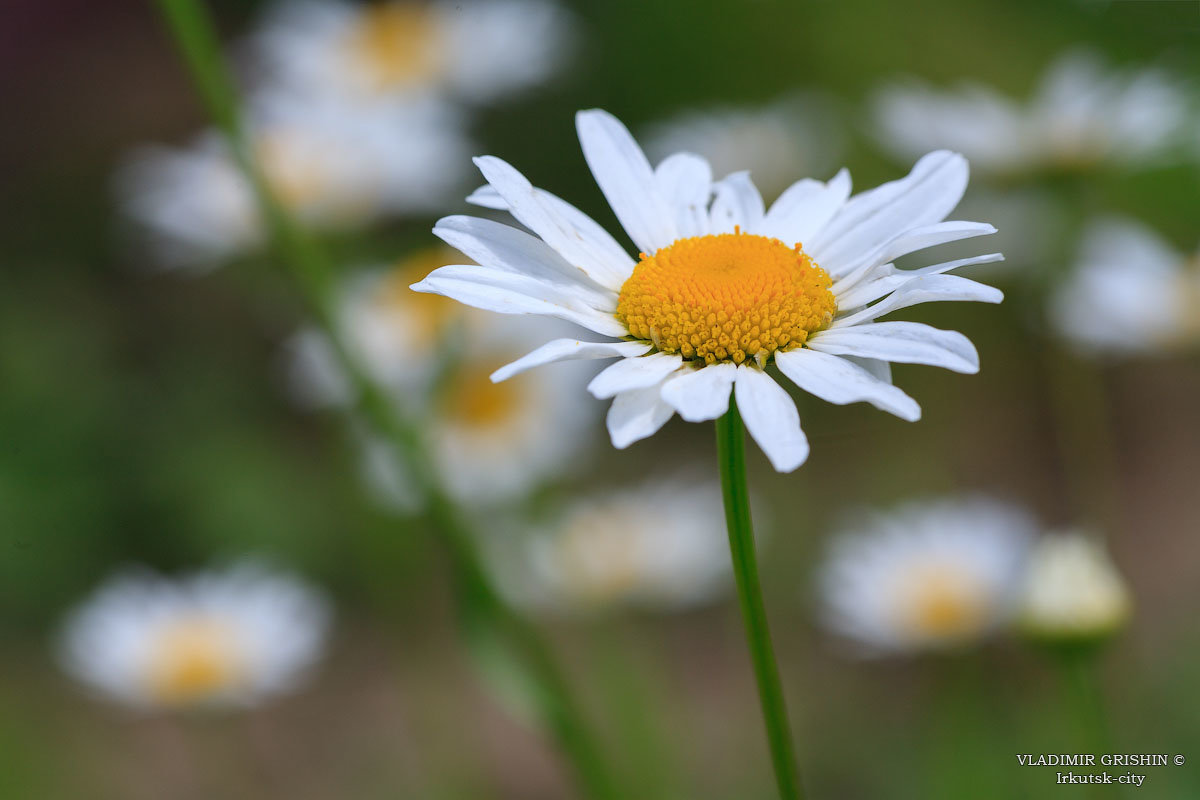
(306, 265)
(1086, 700)
(731, 454)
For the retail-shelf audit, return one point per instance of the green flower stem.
(1079, 668)
(305, 263)
(731, 453)
(1086, 700)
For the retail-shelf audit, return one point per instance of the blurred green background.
(143, 418)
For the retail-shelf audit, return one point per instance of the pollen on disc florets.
(726, 297)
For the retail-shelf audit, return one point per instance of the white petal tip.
(791, 465)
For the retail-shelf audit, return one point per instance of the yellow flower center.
(726, 297)
(395, 45)
(194, 659)
(944, 605)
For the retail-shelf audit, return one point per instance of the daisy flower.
(330, 165)
(492, 442)
(659, 546)
(489, 441)
(1072, 591)
(391, 331)
(1130, 293)
(225, 638)
(1081, 115)
(791, 136)
(722, 287)
(476, 50)
(926, 576)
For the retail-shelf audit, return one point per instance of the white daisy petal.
(503, 247)
(919, 238)
(910, 241)
(701, 394)
(885, 279)
(877, 369)
(840, 381)
(608, 263)
(737, 205)
(686, 182)
(634, 373)
(556, 292)
(635, 415)
(507, 293)
(612, 264)
(804, 208)
(626, 179)
(925, 289)
(569, 350)
(577, 237)
(771, 418)
(486, 196)
(902, 343)
(930, 191)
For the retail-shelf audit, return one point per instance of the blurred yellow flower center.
(395, 44)
(194, 659)
(475, 402)
(943, 604)
(294, 177)
(422, 318)
(726, 297)
(596, 555)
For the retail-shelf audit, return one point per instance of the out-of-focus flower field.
(218, 579)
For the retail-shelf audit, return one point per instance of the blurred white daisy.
(925, 576)
(489, 441)
(792, 136)
(233, 637)
(1072, 591)
(1131, 292)
(331, 165)
(393, 332)
(1082, 114)
(492, 442)
(723, 287)
(661, 546)
(476, 50)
